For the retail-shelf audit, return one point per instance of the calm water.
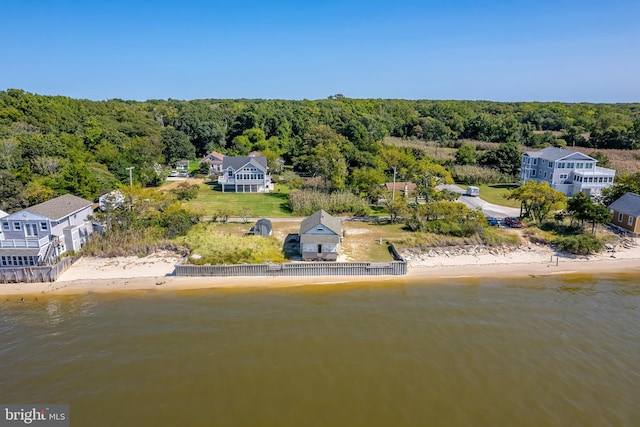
(532, 352)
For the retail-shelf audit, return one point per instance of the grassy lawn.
(269, 205)
(497, 194)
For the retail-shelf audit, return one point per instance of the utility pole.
(130, 176)
(393, 189)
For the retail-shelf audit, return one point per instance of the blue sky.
(572, 51)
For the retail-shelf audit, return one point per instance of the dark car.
(513, 222)
(493, 221)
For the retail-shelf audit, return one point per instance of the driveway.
(489, 209)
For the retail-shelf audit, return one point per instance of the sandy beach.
(155, 272)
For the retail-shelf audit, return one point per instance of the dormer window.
(320, 228)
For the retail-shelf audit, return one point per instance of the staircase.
(48, 255)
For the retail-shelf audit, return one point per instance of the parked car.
(173, 173)
(513, 222)
(183, 174)
(493, 221)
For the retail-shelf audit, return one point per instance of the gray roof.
(238, 162)
(262, 227)
(60, 207)
(628, 204)
(320, 217)
(554, 153)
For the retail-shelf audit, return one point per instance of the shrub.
(581, 244)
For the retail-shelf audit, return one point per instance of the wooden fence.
(46, 273)
(394, 268)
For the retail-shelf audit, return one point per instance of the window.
(5, 225)
(550, 165)
(589, 165)
(545, 174)
(630, 220)
(535, 161)
(563, 176)
(31, 230)
(533, 172)
(17, 226)
(44, 226)
(579, 165)
(562, 165)
(620, 217)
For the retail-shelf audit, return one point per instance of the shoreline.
(154, 273)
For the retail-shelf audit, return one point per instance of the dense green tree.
(176, 146)
(505, 158)
(625, 183)
(12, 196)
(537, 200)
(466, 155)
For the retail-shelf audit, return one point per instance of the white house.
(320, 237)
(214, 160)
(567, 171)
(245, 175)
(38, 235)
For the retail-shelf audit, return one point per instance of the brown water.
(533, 352)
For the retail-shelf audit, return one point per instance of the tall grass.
(214, 246)
(305, 202)
(469, 174)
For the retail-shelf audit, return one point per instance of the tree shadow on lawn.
(503, 186)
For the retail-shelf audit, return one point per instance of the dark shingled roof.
(59, 207)
(237, 162)
(629, 204)
(320, 217)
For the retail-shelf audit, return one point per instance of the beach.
(155, 272)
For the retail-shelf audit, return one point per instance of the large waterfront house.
(320, 237)
(569, 172)
(214, 160)
(625, 212)
(38, 235)
(245, 175)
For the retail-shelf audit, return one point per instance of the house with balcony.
(38, 235)
(245, 175)
(569, 172)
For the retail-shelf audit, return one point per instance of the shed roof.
(320, 217)
(262, 226)
(59, 207)
(628, 204)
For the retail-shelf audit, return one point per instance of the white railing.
(233, 181)
(24, 243)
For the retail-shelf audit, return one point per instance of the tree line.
(51, 145)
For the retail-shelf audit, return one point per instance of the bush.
(581, 244)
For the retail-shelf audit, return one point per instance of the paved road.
(489, 209)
